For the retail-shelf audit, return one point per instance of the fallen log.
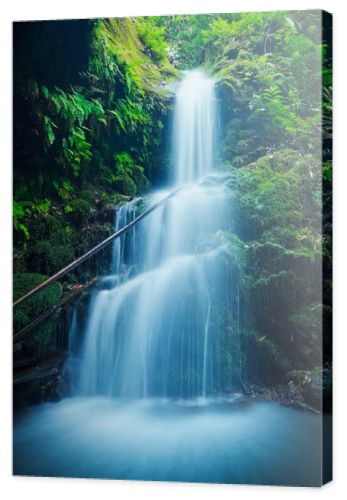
(25, 363)
(34, 375)
(46, 368)
(24, 331)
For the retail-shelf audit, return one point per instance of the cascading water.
(156, 333)
(194, 130)
(162, 338)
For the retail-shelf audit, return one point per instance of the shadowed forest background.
(92, 117)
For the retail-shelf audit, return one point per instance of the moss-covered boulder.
(310, 384)
(38, 303)
(41, 256)
(138, 176)
(43, 225)
(39, 340)
(19, 261)
(307, 331)
(78, 211)
(90, 195)
(48, 258)
(281, 161)
(124, 184)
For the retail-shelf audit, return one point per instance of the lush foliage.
(75, 122)
(89, 132)
(269, 67)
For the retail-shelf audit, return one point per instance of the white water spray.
(158, 333)
(194, 127)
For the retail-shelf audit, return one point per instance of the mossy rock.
(307, 325)
(40, 257)
(47, 258)
(119, 41)
(89, 195)
(55, 222)
(236, 248)
(19, 261)
(139, 178)
(284, 160)
(38, 303)
(37, 227)
(265, 255)
(92, 236)
(62, 236)
(310, 383)
(303, 377)
(44, 225)
(62, 256)
(39, 340)
(111, 200)
(78, 212)
(125, 185)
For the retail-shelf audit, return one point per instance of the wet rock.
(309, 384)
(293, 393)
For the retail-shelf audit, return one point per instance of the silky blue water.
(235, 441)
(156, 327)
(160, 358)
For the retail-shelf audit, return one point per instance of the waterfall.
(156, 327)
(125, 214)
(194, 127)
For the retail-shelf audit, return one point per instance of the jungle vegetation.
(92, 104)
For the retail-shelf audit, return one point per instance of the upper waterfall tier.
(172, 297)
(194, 125)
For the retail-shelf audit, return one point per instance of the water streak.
(157, 326)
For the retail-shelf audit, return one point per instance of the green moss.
(38, 303)
(55, 222)
(41, 257)
(125, 185)
(303, 377)
(62, 256)
(93, 235)
(78, 211)
(269, 253)
(48, 258)
(39, 340)
(311, 384)
(19, 261)
(139, 178)
(121, 44)
(111, 200)
(89, 195)
(125, 166)
(63, 236)
(307, 326)
(43, 226)
(285, 159)
(237, 249)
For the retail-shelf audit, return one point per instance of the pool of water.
(234, 440)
